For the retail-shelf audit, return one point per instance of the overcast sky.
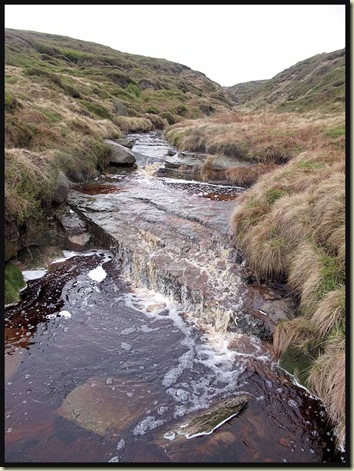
(229, 43)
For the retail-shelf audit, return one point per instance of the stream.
(111, 352)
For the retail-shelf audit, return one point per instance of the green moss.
(308, 165)
(11, 102)
(332, 275)
(97, 109)
(336, 132)
(134, 90)
(296, 363)
(273, 194)
(13, 283)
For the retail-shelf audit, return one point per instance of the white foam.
(169, 436)
(128, 331)
(121, 444)
(196, 182)
(107, 255)
(222, 357)
(65, 314)
(34, 274)
(97, 274)
(185, 361)
(125, 346)
(147, 424)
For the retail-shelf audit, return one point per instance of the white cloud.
(229, 43)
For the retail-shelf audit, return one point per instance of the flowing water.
(107, 357)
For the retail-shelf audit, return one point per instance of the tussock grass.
(291, 227)
(247, 176)
(330, 313)
(28, 181)
(327, 378)
(133, 124)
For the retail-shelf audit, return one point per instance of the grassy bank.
(291, 227)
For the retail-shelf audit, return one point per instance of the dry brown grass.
(328, 379)
(247, 176)
(133, 124)
(291, 226)
(298, 331)
(264, 137)
(28, 179)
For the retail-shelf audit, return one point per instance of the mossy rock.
(13, 283)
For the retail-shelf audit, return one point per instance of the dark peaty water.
(98, 372)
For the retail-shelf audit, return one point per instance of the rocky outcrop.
(125, 142)
(120, 155)
(188, 159)
(76, 236)
(222, 162)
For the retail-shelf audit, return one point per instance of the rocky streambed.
(151, 345)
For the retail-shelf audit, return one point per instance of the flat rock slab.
(101, 405)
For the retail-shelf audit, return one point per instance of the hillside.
(317, 83)
(64, 96)
(91, 71)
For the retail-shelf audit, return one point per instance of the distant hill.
(88, 71)
(314, 83)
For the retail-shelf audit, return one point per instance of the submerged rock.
(120, 155)
(100, 407)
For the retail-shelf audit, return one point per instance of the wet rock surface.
(97, 385)
(76, 235)
(175, 237)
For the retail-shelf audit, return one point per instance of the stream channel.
(113, 351)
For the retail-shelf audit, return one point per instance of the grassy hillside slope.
(317, 83)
